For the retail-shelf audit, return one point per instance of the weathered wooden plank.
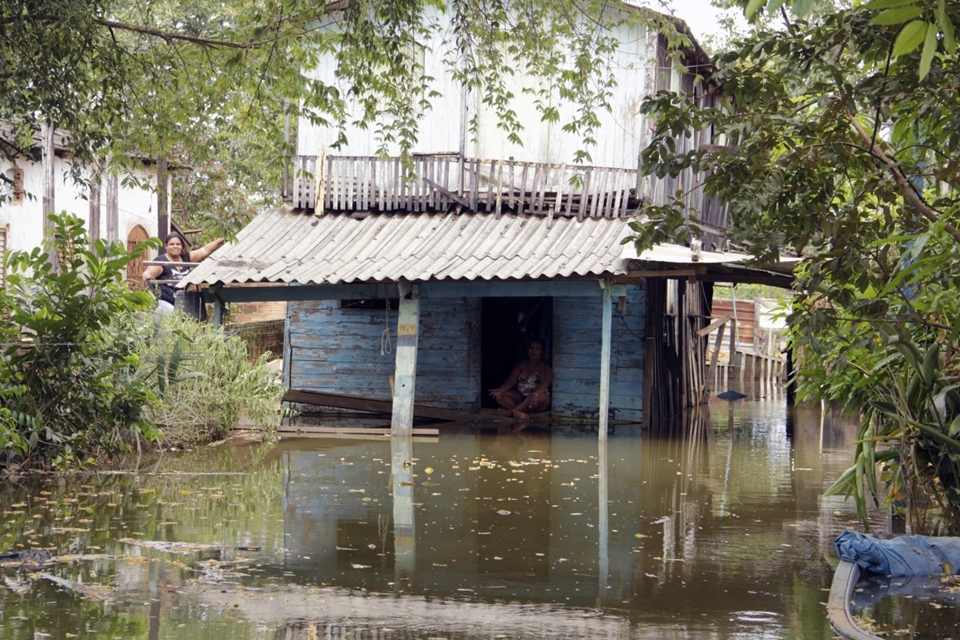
(396, 179)
(618, 201)
(583, 209)
(474, 183)
(419, 188)
(535, 187)
(499, 190)
(444, 181)
(571, 198)
(320, 184)
(355, 184)
(490, 185)
(597, 192)
(366, 404)
(610, 191)
(328, 187)
(355, 430)
(406, 197)
(363, 166)
(333, 183)
(544, 187)
(448, 194)
(430, 172)
(523, 188)
(561, 184)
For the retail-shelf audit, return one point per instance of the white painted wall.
(24, 221)
(618, 144)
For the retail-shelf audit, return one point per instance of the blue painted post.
(405, 374)
(603, 522)
(605, 357)
(404, 531)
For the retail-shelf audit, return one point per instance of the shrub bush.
(65, 387)
(202, 378)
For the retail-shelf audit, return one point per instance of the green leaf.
(887, 4)
(753, 6)
(897, 16)
(929, 49)
(910, 37)
(802, 7)
(946, 27)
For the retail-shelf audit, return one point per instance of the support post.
(405, 373)
(217, 307)
(404, 523)
(605, 358)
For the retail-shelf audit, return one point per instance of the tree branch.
(899, 178)
(166, 35)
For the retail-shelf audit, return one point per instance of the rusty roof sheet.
(285, 246)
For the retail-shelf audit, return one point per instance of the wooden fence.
(739, 348)
(441, 183)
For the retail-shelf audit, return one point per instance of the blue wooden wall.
(334, 350)
(338, 351)
(577, 325)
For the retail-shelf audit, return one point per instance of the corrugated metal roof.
(284, 246)
(676, 254)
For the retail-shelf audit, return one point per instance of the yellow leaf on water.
(639, 535)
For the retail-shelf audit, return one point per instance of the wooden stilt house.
(420, 289)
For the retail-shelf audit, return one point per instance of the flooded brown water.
(720, 533)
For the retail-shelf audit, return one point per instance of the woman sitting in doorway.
(527, 389)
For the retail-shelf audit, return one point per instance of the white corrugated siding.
(618, 138)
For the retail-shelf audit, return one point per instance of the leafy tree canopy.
(207, 84)
(838, 132)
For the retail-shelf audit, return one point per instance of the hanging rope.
(386, 343)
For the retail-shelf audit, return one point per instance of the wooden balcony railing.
(360, 183)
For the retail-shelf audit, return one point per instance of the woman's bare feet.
(520, 415)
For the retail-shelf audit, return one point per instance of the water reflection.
(719, 532)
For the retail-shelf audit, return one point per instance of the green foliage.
(837, 137)
(752, 292)
(210, 86)
(910, 428)
(61, 365)
(202, 377)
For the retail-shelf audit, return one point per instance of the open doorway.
(508, 325)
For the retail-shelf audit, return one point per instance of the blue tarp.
(903, 556)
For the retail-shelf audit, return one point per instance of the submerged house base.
(434, 309)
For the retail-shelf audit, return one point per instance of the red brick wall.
(245, 312)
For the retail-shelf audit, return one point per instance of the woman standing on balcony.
(169, 274)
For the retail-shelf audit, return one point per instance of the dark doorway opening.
(508, 325)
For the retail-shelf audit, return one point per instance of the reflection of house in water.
(532, 521)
